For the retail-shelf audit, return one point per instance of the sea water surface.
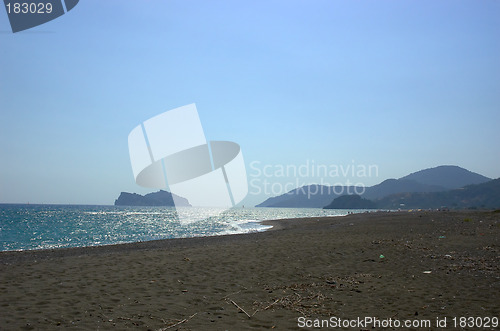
(27, 227)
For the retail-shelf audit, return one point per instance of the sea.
(30, 227)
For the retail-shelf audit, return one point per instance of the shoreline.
(55, 235)
(277, 225)
(419, 265)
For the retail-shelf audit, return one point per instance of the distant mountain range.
(433, 180)
(160, 198)
(449, 186)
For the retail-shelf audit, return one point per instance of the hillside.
(351, 202)
(309, 196)
(448, 177)
(393, 186)
(485, 195)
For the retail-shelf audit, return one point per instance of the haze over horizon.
(400, 85)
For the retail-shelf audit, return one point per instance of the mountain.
(485, 195)
(392, 186)
(436, 179)
(353, 201)
(318, 196)
(309, 196)
(160, 198)
(449, 177)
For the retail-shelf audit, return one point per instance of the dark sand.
(311, 267)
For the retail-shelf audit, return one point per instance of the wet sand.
(405, 266)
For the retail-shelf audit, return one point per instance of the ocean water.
(27, 227)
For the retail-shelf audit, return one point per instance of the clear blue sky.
(403, 85)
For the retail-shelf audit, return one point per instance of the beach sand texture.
(419, 265)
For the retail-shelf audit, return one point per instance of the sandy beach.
(403, 266)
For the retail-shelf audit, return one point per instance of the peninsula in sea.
(160, 198)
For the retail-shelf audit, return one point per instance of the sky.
(396, 86)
